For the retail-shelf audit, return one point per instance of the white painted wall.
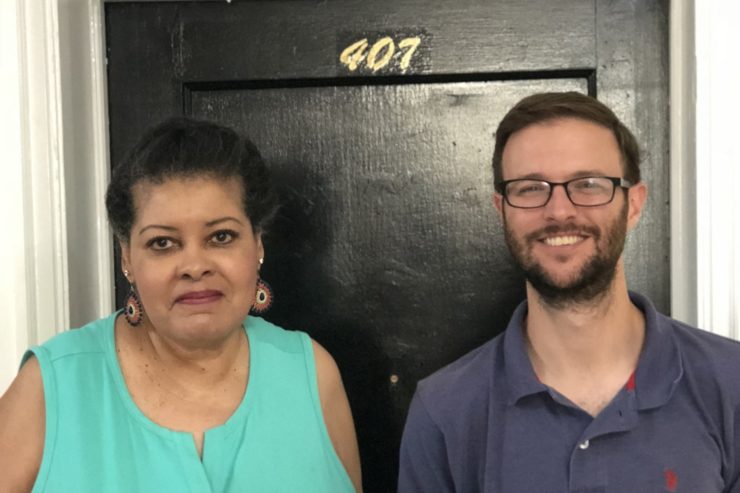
(705, 165)
(717, 159)
(13, 299)
(35, 296)
(56, 248)
(56, 251)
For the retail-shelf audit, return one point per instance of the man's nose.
(559, 207)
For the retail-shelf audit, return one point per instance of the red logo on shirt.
(671, 480)
(631, 383)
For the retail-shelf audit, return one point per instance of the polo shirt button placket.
(587, 473)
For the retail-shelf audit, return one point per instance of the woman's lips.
(199, 297)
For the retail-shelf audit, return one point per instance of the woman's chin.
(199, 329)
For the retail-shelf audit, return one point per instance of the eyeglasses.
(590, 191)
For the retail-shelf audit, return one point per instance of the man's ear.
(498, 203)
(636, 196)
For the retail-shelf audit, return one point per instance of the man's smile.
(563, 235)
(563, 240)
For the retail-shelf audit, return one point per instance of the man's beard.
(595, 277)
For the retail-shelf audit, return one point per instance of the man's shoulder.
(466, 379)
(709, 363)
(704, 349)
(703, 355)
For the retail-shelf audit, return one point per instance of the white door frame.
(57, 245)
(58, 249)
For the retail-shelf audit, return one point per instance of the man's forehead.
(543, 175)
(562, 148)
(563, 126)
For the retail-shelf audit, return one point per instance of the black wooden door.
(388, 250)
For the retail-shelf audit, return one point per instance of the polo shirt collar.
(521, 378)
(659, 367)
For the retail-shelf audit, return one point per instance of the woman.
(182, 391)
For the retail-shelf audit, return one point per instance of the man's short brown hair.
(543, 107)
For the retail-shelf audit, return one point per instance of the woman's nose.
(195, 263)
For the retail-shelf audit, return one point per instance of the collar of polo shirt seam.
(659, 361)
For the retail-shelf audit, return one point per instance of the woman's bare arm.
(22, 426)
(337, 414)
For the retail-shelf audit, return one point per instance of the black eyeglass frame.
(501, 187)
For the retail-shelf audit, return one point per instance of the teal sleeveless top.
(97, 439)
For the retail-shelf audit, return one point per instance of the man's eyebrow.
(577, 174)
(530, 176)
(592, 172)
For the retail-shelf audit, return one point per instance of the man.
(589, 389)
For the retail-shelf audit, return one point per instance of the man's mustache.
(564, 230)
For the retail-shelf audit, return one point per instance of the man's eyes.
(528, 188)
(589, 184)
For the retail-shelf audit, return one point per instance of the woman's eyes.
(160, 243)
(219, 238)
(224, 236)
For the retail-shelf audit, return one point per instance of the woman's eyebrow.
(222, 220)
(208, 224)
(157, 226)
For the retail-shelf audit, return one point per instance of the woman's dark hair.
(543, 107)
(187, 148)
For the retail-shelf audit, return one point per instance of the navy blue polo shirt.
(486, 423)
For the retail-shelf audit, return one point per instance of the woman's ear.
(126, 260)
(260, 247)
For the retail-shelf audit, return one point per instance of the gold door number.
(380, 54)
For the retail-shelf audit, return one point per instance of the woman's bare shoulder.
(337, 413)
(22, 427)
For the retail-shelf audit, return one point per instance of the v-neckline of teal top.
(185, 440)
